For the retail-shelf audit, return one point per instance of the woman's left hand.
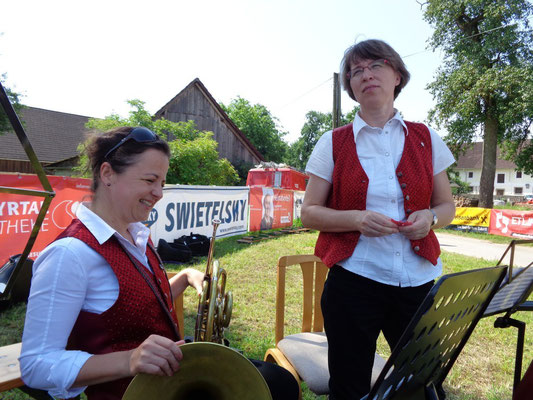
(195, 279)
(421, 224)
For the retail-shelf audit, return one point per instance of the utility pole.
(336, 101)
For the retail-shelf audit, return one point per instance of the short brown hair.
(373, 49)
(121, 158)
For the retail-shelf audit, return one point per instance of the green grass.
(484, 369)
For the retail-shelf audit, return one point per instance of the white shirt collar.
(359, 124)
(102, 231)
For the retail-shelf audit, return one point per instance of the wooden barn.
(54, 137)
(196, 103)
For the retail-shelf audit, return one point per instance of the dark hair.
(372, 49)
(121, 158)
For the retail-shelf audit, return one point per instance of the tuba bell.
(210, 370)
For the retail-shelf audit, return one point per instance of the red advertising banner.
(270, 208)
(19, 212)
(517, 224)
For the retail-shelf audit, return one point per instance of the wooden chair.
(305, 354)
(10, 368)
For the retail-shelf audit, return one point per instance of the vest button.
(407, 197)
(416, 248)
(403, 185)
(400, 174)
(408, 211)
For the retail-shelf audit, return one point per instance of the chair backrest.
(178, 308)
(314, 275)
(436, 335)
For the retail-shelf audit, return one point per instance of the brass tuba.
(214, 306)
(208, 371)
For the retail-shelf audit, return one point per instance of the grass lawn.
(484, 369)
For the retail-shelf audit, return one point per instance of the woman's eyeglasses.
(140, 135)
(374, 66)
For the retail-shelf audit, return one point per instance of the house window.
(518, 174)
(470, 189)
(501, 178)
(518, 190)
(500, 192)
(470, 174)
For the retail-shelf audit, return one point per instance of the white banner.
(186, 209)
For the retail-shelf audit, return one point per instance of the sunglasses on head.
(140, 135)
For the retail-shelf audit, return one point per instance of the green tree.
(196, 162)
(485, 84)
(259, 126)
(314, 127)
(14, 98)
(194, 157)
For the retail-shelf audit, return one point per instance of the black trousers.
(281, 383)
(356, 310)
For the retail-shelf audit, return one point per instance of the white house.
(507, 181)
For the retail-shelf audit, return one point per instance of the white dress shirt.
(387, 259)
(68, 277)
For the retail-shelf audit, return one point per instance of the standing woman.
(100, 308)
(377, 189)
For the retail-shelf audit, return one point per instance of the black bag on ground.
(173, 252)
(199, 244)
(21, 288)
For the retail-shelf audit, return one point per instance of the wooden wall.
(192, 104)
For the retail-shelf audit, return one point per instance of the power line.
(305, 94)
(406, 56)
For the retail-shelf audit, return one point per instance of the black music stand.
(47, 192)
(512, 297)
(436, 335)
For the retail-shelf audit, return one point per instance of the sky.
(89, 58)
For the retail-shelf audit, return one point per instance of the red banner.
(19, 212)
(270, 208)
(517, 224)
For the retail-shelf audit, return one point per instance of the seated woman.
(100, 309)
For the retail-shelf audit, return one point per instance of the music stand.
(436, 335)
(48, 193)
(512, 297)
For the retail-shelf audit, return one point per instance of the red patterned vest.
(135, 315)
(350, 186)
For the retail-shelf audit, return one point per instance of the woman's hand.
(185, 278)
(374, 224)
(157, 355)
(195, 279)
(421, 224)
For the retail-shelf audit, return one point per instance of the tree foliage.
(314, 127)
(194, 157)
(485, 84)
(14, 98)
(259, 126)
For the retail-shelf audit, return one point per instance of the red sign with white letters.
(517, 224)
(19, 212)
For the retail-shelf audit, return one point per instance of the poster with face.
(270, 208)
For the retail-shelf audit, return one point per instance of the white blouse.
(69, 276)
(387, 259)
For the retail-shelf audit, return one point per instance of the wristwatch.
(435, 218)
